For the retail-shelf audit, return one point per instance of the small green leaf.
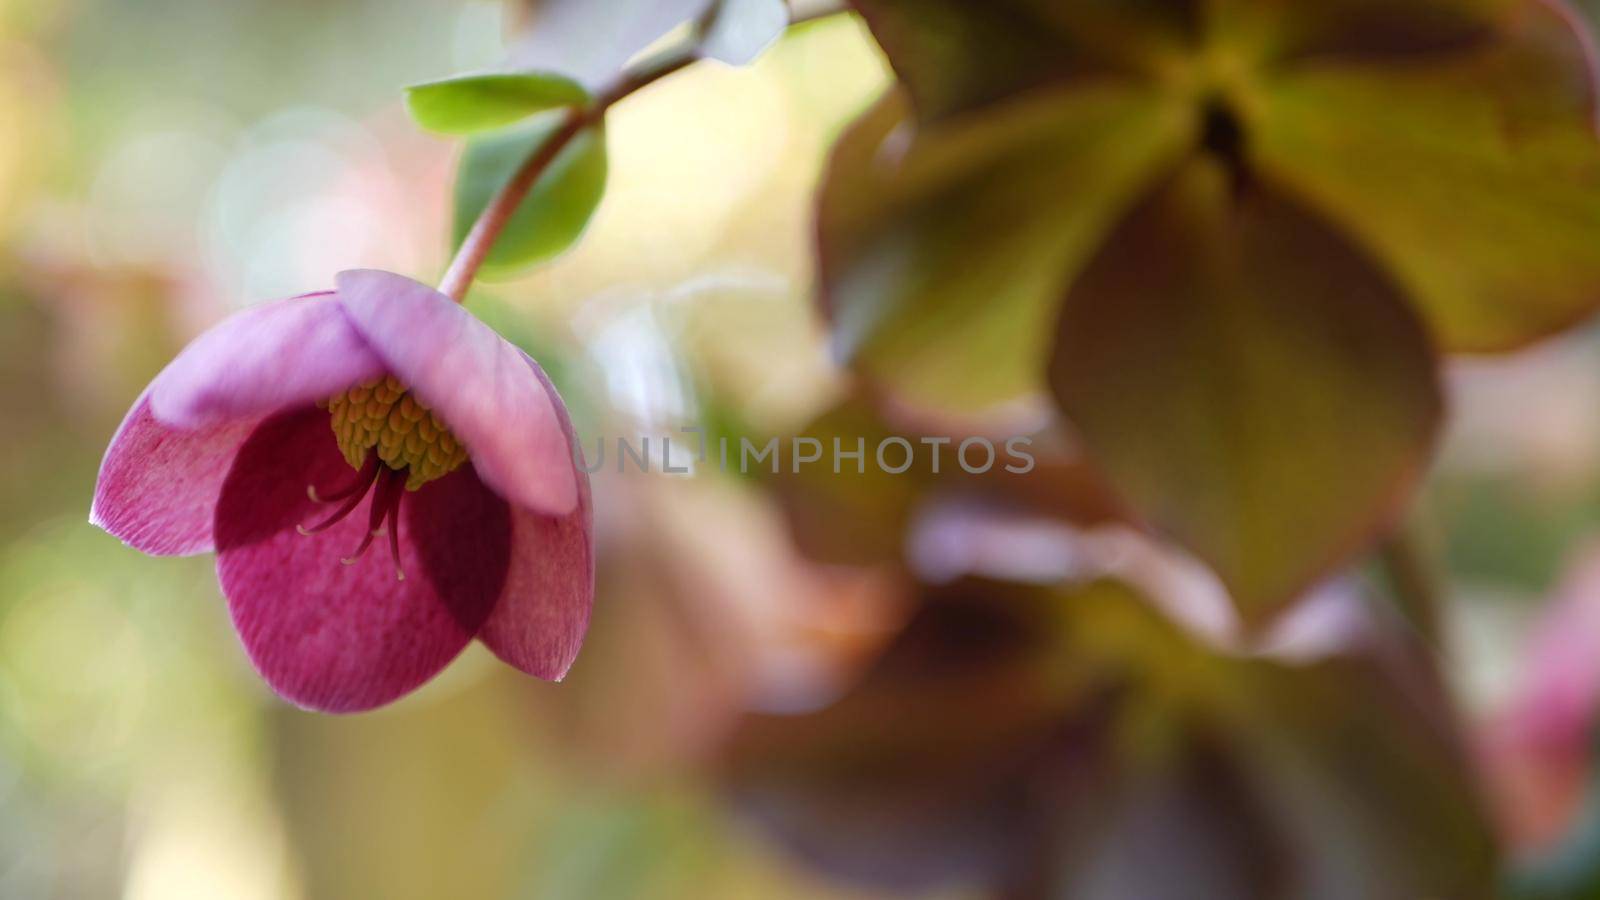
(474, 103)
(555, 211)
(1249, 381)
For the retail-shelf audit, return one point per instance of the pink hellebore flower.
(291, 435)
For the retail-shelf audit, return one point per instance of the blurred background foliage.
(928, 685)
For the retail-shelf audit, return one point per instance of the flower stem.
(486, 230)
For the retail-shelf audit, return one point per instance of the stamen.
(355, 494)
(394, 536)
(391, 484)
(383, 516)
(363, 478)
(366, 542)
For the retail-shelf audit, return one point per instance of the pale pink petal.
(542, 616)
(158, 485)
(275, 356)
(481, 386)
(1558, 698)
(344, 638)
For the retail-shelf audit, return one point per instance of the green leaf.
(1076, 741)
(954, 56)
(926, 772)
(1366, 30)
(1362, 754)
(942, 262)
(863, 514)
(943, 51)
(474, 103)
(555, 211)
(1248, 381)
(1475, 176)
(1352, 761)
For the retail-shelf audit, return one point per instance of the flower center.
(395, 444)
(382, 414)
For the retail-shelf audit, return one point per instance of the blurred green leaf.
(741, 29)
(955, 56)
(1454, 138)
(1498, 532)
(919, 775)
(638, 846)
(1354, 761)
(555, 211)
(942, 263)
(1362, 755)
(1072, 743)
(431, 798)
(1191, 808)
(591, 41)
(474, 103)
(1355, 29)
(941, 51)
(1476, 178)
(1248, 382)
(862, 514)
(1449, 147)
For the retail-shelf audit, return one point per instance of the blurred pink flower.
(266, 435)
(1538, 747)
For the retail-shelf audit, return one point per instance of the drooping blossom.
(382, 477)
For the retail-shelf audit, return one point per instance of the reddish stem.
(480, 240)
(486, 230)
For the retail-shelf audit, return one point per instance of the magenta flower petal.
(344, 638)
(158, 485)
(279, 355)
(480, 386)
(539, 623)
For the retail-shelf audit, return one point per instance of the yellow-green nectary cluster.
(381, 413)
